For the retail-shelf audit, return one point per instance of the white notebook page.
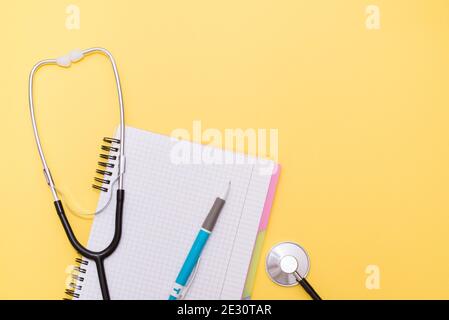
(165, 206)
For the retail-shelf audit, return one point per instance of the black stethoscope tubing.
(100, 256)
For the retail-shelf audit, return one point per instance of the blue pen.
(198, 245)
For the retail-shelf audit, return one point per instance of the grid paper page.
(165, 206)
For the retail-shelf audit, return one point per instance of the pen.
(198, 245)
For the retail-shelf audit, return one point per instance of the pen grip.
(190, 263)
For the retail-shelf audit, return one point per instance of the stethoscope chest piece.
(288, 265)
(283, 260)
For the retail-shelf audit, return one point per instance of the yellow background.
(362, 118)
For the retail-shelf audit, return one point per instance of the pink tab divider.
(270, 197)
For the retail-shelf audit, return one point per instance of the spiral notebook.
(168, 193)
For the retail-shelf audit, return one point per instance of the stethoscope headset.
(97, 256)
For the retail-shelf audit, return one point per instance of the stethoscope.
(97, 256)
(288, 264)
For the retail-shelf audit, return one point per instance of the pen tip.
(225, 193)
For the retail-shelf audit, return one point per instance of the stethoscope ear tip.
(67, 60)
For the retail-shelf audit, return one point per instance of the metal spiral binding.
(107, 165)
(75, 286)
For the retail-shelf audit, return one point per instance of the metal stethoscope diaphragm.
(288, 264)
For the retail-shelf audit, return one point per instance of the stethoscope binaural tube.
(97, 256)
(100, 256)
